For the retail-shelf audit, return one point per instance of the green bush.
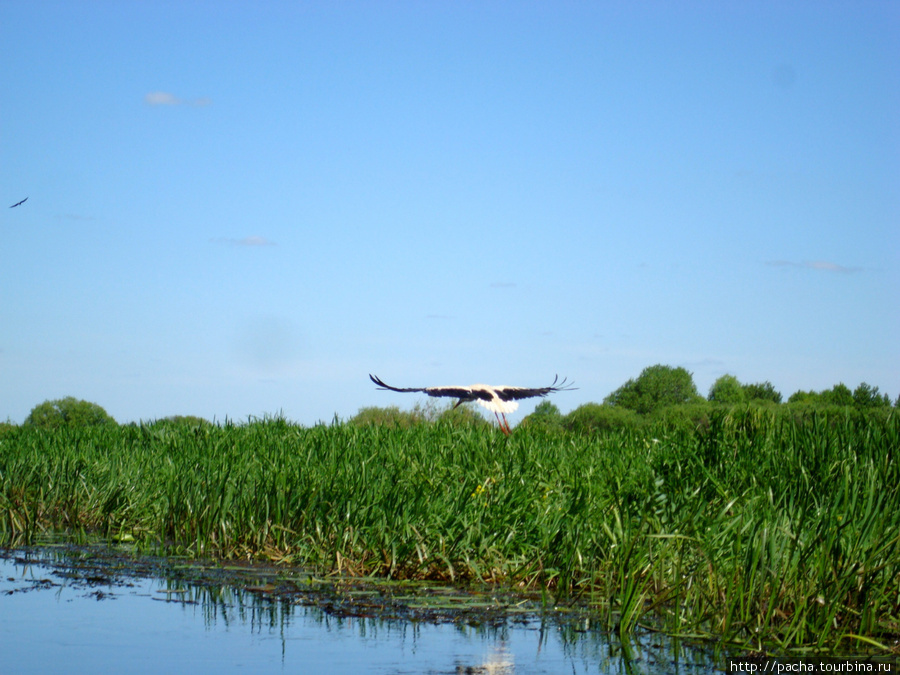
(389, 416)
(182, 420)
(7, 429)
(67, 412)
(461, 416)
(594, 417)
(430, 412)
(686, 416)
(545, 416)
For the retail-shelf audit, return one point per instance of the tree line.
(657, 389)
(660, 386)
(667, 395)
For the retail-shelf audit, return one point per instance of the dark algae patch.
(90, 567)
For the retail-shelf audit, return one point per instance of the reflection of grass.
(758, 529)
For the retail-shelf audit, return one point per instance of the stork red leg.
(504, 425)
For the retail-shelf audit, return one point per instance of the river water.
(65, 614)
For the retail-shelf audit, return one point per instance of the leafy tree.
(763, 391)
(68, 412)
(546, 409)
(656, 387)
(727, 389)
(806, 397)
(864, 396)
(545, 412)
(839, 394)
(867, 396)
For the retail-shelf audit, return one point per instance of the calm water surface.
(54, 619)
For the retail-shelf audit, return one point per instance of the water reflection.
(83, 610)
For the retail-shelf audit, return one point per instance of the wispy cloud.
(165, 98)
(246, 241)
(73, 216)
(818, 265)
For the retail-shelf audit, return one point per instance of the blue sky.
(240, 209)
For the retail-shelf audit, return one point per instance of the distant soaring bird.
(17, 203)
(499, 400)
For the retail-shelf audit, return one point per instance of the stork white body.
(500, 400)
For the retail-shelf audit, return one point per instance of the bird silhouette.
(499, 400)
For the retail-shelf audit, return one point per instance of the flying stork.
(18, 203)
(499, 400)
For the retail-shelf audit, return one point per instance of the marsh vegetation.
(763, 527)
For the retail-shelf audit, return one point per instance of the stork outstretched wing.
(382, 385)
(515, 393)
(463, 393)
(480, 391)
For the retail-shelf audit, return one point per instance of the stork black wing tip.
(381, 385)
(564, 385)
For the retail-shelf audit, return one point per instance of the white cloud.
(165, 98)
(828, 266)
(254, 241)
(160, 98)
(819, 265)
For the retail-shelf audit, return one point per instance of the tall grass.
(767, 531)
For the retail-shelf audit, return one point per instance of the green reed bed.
(766, 531)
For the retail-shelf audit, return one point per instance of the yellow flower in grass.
(481, 489)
